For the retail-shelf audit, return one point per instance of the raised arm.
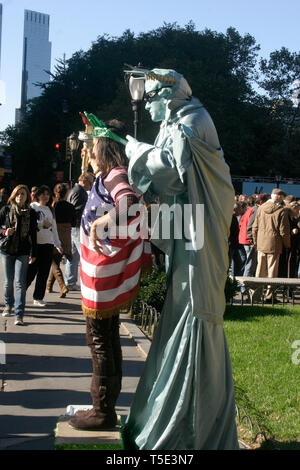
(159, 168)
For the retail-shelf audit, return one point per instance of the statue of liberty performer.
(185, 397)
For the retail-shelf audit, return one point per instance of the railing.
(265, 179)
(145, 316)
(257, 433)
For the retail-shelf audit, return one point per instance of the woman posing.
(18, 249)
(110, 273)
(47, 238)
(65, 219)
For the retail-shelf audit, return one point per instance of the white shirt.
(46, 235)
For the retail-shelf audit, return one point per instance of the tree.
(219, 67)
(280, 80)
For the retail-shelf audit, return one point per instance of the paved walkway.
(48, 367)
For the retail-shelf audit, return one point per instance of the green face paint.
(157, 107)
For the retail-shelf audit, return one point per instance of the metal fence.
(145, 316)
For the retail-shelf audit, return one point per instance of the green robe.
(185, 397)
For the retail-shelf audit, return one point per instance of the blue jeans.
(237, 258)
(71, 272)
(15, 271)
(251, 261)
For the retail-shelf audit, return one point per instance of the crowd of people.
(36, 232)
(265, 238)
(41, 227)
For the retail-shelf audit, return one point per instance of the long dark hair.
(12, 197)
(110, 154)
(60, 190)
(42, 189)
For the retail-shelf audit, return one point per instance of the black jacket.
(28, 245)
(78, 197)
(64, 213)
(234, 233)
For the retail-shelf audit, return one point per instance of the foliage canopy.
(222, 70)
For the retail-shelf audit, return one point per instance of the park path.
(48, 367)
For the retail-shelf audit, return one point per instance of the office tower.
(36, 55)
(0, 31)
(2, 88)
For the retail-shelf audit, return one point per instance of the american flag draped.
(109, 281)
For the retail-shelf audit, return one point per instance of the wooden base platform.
(68, 438)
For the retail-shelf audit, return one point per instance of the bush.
(153, 288)
(231, 288)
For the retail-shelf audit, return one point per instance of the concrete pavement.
(48, 367)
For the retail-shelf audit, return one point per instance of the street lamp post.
(278, 180)
(136, 86)
(74, 145)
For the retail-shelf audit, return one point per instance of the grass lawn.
(265, 369)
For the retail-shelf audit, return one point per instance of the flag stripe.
(105, 283)
(103, 306)
(106, 270)
(110, 295)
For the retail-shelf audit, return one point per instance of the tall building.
(0, 31)
(36, 56)
(2, 88)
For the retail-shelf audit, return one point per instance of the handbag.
(5, 244)
(5, 240)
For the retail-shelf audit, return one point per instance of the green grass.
(87, 447)
(267, 382)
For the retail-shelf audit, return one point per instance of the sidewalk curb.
(143, 344)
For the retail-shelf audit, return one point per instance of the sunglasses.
(149, 97)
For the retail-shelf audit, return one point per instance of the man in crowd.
(78, 197)
(251, 261)
(271, 232)
(244, 241)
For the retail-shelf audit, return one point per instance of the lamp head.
(136, 87)
(73, 142)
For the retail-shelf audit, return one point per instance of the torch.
(86, 137)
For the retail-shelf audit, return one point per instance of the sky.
(74, 24)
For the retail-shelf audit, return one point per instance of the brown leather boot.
(115, 390)
(102, 415)
(61, 282)
(50, 282)
(63, 292)
(94, 421)
(81, 413)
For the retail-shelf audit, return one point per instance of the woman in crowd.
(18, 249)
(47, 238)
(110, 272)
(65, 218)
